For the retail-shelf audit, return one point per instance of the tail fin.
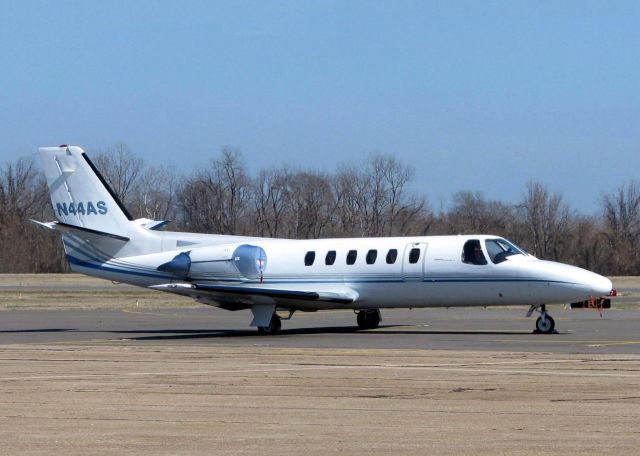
(79, 194)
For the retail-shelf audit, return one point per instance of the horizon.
(437, 207)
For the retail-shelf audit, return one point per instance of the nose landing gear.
(545, 324)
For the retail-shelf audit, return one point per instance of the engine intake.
(250, 260)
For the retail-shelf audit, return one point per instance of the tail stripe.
(122, 207)
(98, 256)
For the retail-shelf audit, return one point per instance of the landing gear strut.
(368, 318)
(545, 324)
(272, 328)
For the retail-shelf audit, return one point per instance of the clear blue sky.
(477, 95)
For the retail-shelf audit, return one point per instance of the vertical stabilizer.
(79, 194)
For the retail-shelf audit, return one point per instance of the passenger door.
(413, 261)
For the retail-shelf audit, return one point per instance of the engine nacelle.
(250, 260)
(218, 262)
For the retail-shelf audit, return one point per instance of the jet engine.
(218, 262)
(250, 260)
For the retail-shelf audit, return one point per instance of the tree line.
(367, 198)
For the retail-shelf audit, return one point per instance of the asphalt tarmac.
(87, 367)
(579, 331)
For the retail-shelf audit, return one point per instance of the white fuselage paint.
(438, 279)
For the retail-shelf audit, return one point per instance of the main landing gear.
(272, 328)
(368, 318)
(545, 324)
(275, 322)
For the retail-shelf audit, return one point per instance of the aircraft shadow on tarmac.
(177, 334)
(183, 334)
(43, 330)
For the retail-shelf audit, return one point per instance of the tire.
(545, 326)
(361, 318)
(553, 323)
(373, 318)
(368, 319)
(273, 328)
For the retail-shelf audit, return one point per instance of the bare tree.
(154, 195)
(24, 196)
(271, 199)
(217, 198)
(197, 206)
(546, 220)
(122, 170)
(622, 217)
(350, 202)
(472, 213)
(373, 200)
(311, 203)
(400, 207)
(588, 244)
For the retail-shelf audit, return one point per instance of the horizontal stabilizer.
(66, 228)
(248, 291)
(152, 224)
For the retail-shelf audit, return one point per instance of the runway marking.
(330, 367)
(611, 344)
(588, 343)
(453, 331)
(140, 312)
(469, 364)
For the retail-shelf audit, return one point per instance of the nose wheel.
(545, 324)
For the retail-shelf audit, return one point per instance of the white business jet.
(280, 275)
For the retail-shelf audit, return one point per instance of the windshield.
(499, 250)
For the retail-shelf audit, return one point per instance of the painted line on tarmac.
(142, 312)
(312, 368)
(434, 330)
(612, 344)
(588, 343)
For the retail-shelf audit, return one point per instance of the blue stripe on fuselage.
(345, 280)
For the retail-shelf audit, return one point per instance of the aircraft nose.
(594, 284)
(576, 283)
(601, 285)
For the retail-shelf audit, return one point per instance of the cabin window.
(392, 254)
(472, 253)
(309, 258)
(414, 255)
(371, 256)
(351, 256)
(330, 258)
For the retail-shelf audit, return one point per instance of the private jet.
(275, 277)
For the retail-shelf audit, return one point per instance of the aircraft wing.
(255, 294)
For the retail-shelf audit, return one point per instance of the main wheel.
(545, 325)
(361, 318)
(373, 319)
(368, 319)
(273, 328)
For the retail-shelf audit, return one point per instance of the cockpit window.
(499, 250)
(472, 253)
